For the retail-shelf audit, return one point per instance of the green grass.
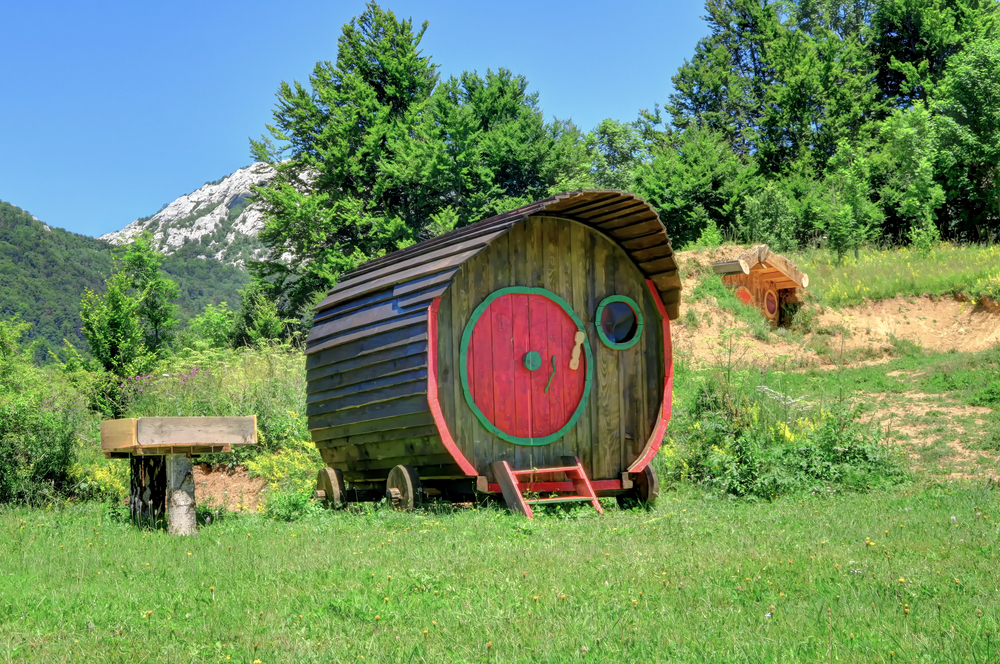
(693, 580)
(971, 270)
(711, 287)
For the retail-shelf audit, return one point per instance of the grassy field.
(856, 578)
(903, 573)
(971, 270)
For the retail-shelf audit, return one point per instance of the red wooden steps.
(513, 489)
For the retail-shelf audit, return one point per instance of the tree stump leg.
(148, 491)
(181, 511)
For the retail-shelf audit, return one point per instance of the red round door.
(526, 366)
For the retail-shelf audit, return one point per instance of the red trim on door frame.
(432, 391)
(663, 418)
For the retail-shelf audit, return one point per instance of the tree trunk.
(180, 496)
(148, 491)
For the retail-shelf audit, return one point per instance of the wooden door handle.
(578, 339)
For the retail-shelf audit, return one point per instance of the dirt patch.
(902, 418)
(937, 324)
(232, 490)
(852, 336)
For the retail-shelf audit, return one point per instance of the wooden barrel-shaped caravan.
(532, 338)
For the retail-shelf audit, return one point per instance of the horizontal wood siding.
(366, 391)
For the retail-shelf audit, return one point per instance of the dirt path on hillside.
(937, 324)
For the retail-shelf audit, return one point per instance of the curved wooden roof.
(406, 281)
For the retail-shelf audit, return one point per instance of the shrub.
(268, 382)
(40, 421)
(290, 505)
(743, 438)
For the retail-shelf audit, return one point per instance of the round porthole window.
(619, 322)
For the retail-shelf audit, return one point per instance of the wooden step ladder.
(513, 489)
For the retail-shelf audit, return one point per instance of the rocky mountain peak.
(216, 220)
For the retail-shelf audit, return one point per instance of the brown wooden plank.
(391, 462)
(380, 436)
(648, 241)
(669, 281)
(415, 318)
(406, 405)
(483, 231)
(510, 489)
(444, 472)
(618, 222)
(446, 370)
(430, 255)
(621, 208)
(413, 446)
(424, 296)
(395, 276)
(354, 400)
(659, 251)
(378, 384)
(580, 241)
(659, 265)
(430, 281)
(595, 204)
(606, 378)
(362, 318)
(415, 333)
(638, 230)
(191, 431)
(462, 306)
(118, 434)
(373, 426)
(383, 360)
(353, 305)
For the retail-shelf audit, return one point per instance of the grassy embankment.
(880, 574)
(972, 271)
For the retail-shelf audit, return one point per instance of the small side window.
(619, 322)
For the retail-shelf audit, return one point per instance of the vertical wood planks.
(539, 340)
(608, 447)
(583, 268)
(523, 416)
(501, 350)
(580, 242)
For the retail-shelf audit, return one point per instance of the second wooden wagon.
(529, 352)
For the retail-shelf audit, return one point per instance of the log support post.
(148, 491)
(180, 495)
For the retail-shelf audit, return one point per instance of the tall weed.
(268, 382)
(741, 434)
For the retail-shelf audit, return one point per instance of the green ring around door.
(464, 367)
(638, 322)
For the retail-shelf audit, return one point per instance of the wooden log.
(148, 491)
(180, 496)
(731, 267)
(191, 431)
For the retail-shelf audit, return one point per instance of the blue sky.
(108, 110)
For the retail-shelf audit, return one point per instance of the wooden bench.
(160, 450)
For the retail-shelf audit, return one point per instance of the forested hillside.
(43, 272)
